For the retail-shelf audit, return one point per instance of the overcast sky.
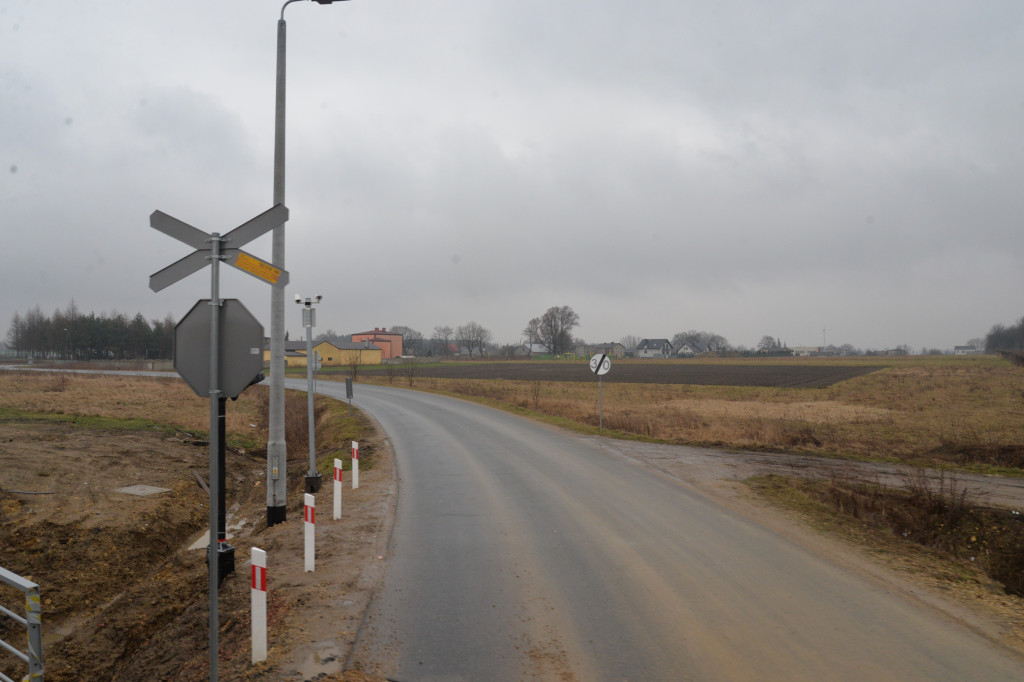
(810, 170)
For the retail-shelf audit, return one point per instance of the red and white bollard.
(338, 480)
(355, 465)
(310, 531)
(259, 605)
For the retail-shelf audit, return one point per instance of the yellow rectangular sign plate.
(257, 268)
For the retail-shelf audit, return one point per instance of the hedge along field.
(956, 410)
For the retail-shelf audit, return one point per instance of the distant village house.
(654, 348)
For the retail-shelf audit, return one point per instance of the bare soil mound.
(124, 598)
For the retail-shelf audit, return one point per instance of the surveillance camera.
(318, 298)
(298, 299)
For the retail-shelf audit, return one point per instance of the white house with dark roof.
(654, 348)
(687, 349)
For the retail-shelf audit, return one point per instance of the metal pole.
(34, 623)
(225, 552)
(600, 403)
(215, 484)
(277, 452)
(312, 477)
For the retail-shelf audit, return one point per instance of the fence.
(32, 622)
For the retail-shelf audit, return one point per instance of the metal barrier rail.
(32, 622)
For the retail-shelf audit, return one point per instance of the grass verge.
(940, 515)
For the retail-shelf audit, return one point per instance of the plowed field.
(640, 372)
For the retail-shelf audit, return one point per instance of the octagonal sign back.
(240, 348)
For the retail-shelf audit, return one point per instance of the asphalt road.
(521, 552)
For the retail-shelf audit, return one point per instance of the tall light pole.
(313, 480)
(277, 452)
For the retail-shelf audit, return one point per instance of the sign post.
(210, 250)
(600, 364)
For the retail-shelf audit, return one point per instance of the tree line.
(1003, 338)
(70, 335)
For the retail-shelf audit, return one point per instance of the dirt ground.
(125, 598)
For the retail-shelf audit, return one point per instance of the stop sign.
(240, 348)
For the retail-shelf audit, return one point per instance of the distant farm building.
(337, 354)
(390, 343)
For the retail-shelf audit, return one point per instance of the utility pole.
(277, 451)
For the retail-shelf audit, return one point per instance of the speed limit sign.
(600, 364)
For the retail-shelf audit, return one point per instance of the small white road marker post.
(310, 531)
(259, 605)
(355, 465)
(338, 480)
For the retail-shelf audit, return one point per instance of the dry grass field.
(942, 410)
(123, 595)
(167, 402)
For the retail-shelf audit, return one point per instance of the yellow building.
(331, 355)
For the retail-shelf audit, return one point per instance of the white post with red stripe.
(355, 465)
(310, 531)
(259, 605)
(338, 480)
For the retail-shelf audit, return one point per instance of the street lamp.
(309, 321)
(276, 448)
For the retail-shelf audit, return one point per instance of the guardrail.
(33, 623)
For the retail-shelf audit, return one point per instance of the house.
(806, 351)
(347, 352)
(654, 348)
(687, 349)
(966, 350)
(337, 354)
(614, 349)
(782, 351)
(389, 342)
(528, 350)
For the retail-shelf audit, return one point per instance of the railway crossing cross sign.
(229, 251)
(193, 362)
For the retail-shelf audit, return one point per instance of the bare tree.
(443, 337)
(473, 337)
(409, 367)
(355, 357)
(714, 343)
(553, 329)
(532, 331)
(630, 342)
(482, 338)
(412, 340)
(462, 337)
